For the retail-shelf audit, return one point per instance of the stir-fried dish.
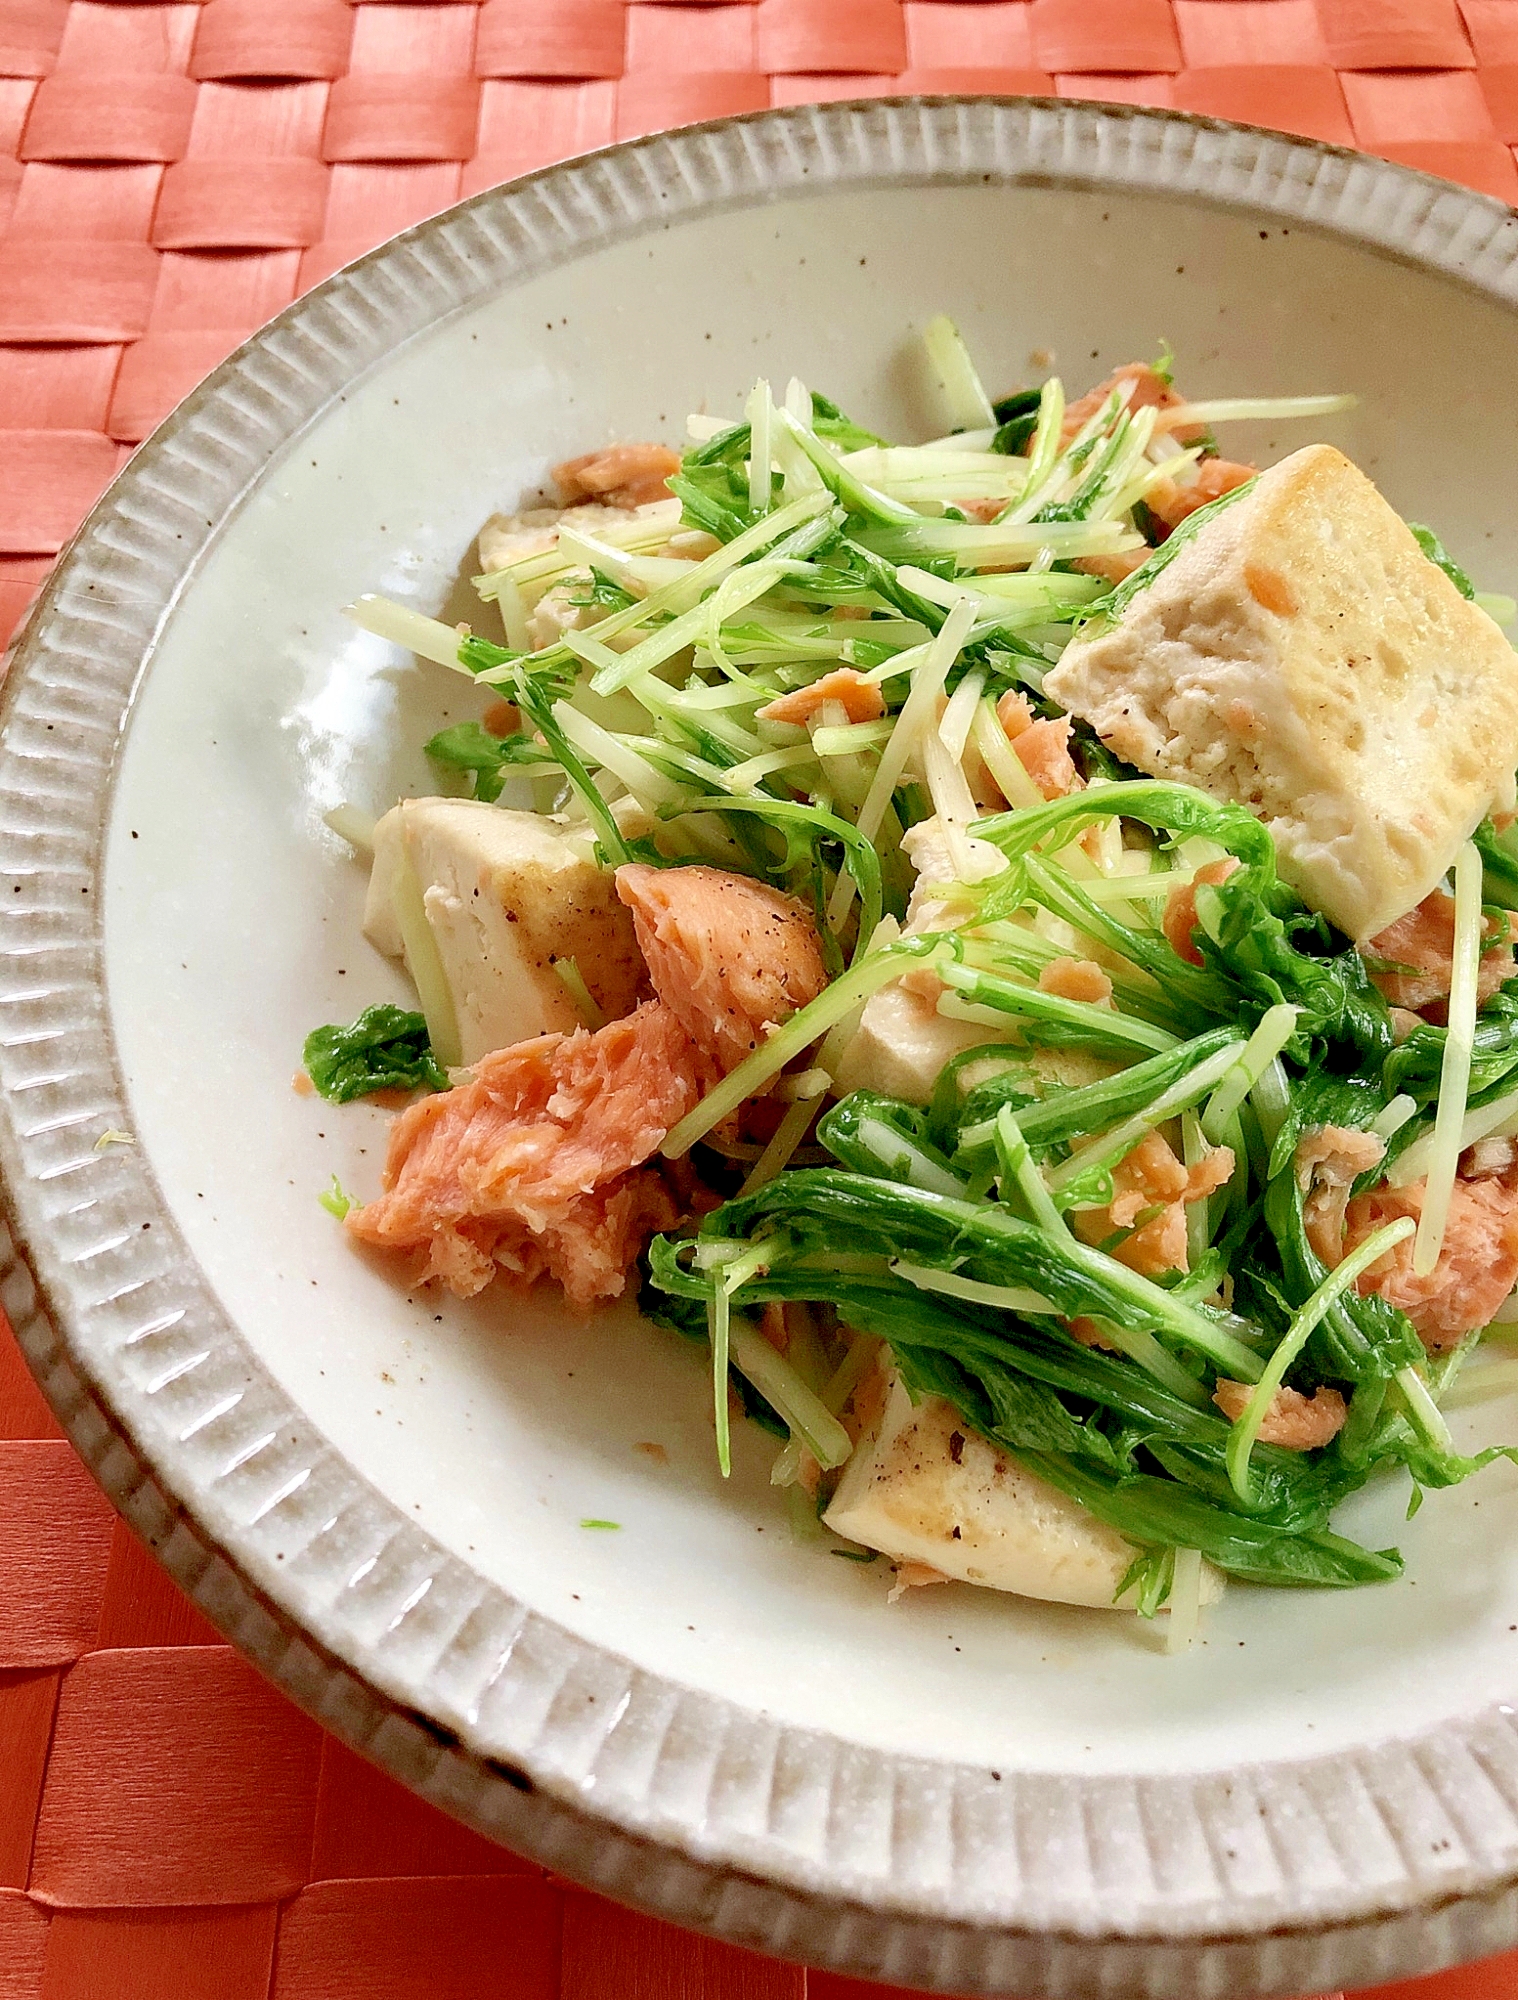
(1007, 942)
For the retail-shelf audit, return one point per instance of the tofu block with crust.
(1301, 656)
(922, 1487)
(506, 894)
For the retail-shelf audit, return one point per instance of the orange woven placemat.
(170, 175)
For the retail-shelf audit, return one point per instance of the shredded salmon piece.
(860, 699)
(1171, 502)
(619, 475)
(1150, 1173)
(730, 958)
(1179, 920)
(1419, 950)
(772, 1325)
(1089, 1334)
(1293, 1421)
(1151, 1176)
(1041, 747)
(1478, 1261)
(1329, 1160)
(1150, 392)
(913, 1576)
(1112, 569)
(537, 1164)
(1076, 979)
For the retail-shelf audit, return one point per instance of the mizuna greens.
(386, 1048)
(967, 1233)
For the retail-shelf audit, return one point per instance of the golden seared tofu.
(924, 1488)
(507, 896)
(1301, 656)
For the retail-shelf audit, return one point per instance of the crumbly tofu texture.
(1301, 656)
(506, 894)
(508, 538)
(923, 1487)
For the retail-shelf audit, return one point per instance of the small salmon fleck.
(860, 699)
(772, 1325)
(1170, 502)
(1179, 920)
(1150, 391)
(1041, 747)
(619, 475)
(1076, 979)
(913, 1576)
(1151, 1177)
(1111, 569)
(502, 718)
(1293, 1421)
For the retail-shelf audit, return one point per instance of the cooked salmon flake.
(1087, 1333)
(1416, 954)
(1042, 747)
(502, 718)
(1293, 1421)
(1111, 569)
(1150, 391)
(619, 475)
(732, 959)
(773, 1326)
(537, 1164)
(1076, 979)
(860, 699)
(913, 1576)
(1152, 1177)
(1329, 1160)
(1180, 919)
(1478, 1260)
(1170, 501)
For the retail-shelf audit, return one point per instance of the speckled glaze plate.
(382, 1499)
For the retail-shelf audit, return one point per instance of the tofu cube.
(901, 1045)
(923, 1487)
(506, 895)
(902, 1042)
(1301, 656)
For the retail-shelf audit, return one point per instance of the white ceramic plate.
(381, 1498)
